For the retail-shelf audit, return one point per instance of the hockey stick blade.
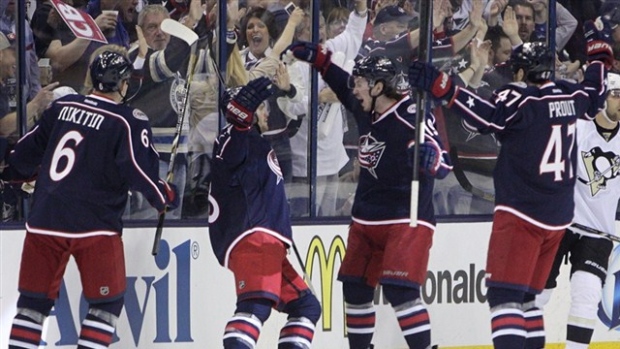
(595, 231)
(464, 181)
(178, 30)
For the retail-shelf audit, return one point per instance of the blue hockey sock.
(99, 325)
(243, 329)
(360, 313)
(508, 326)
(411, 313)
(535, 327)
(28, 322)
(298, 331)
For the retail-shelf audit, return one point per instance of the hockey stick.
(182, 32)
(464, 181)
(597, 232)
(422, 105)
(178, 30)
(599, 175)
(303, 268)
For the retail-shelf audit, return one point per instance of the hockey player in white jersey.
(597, 192)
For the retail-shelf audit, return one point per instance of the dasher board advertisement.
(182, 298)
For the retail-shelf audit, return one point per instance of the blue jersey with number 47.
(536, 125)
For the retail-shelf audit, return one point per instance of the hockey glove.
(430, 160)
(428, 78)
(317, 55)
(240, 111)
(599, 41)
(172, 197)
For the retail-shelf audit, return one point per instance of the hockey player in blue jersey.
(250, 228)
(382, 248)
(85, 152)
(535, 121)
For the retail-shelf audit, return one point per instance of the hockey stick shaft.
(426, 15)
(595, 231)
(303, 268)
(464, 181)
(183, 33)
(599, 176)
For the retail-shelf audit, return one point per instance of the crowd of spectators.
(471, 38)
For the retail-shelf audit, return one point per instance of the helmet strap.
(128, 99)
(604, 113)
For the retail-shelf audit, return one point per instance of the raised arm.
(566, 25)
(239, 106)
(350, 40)
(286, 38)
(476, 22)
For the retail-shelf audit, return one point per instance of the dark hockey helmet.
(535, 59)
(376, 68)
(108, 70)
(228, 96)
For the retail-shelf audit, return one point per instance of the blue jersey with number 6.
(86, 152)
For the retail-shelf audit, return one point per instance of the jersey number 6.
(64, 151)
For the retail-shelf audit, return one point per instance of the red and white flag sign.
(81, 23)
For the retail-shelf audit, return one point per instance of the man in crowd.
(161, 68)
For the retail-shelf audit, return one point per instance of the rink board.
(183, 297)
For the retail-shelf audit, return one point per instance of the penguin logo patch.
(600, 166)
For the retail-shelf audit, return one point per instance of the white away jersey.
(598, 182)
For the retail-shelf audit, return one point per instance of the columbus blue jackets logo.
(214, 208)
(272, 161)
(600, 166)
(370, 153)
(177, 93)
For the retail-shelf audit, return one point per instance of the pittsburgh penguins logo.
(370, 153)
(600, 166)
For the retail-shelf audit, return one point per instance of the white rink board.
(184, 298)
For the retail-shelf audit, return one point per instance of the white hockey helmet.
(613, 81)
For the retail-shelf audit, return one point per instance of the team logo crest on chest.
(272, 161)
(177, 93)
(600, 166)
(370, 152)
